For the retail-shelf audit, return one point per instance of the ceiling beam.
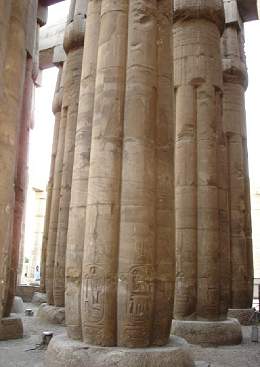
(49, 2)
(248, 9)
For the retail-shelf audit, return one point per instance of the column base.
(18, 306)
(39, 298)
(244, 315)
(64, 352)
(209, 333)
(11, 328)
(52, 314)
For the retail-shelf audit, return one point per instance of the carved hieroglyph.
(128, 264)
(235, 84)
(12, 70)
(73, 45)
(202, 229)
(76, 227)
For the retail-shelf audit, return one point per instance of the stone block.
(52, 314)
(232, 15)
(209, 333)
(59, 55)
(64, 352)
(11, 328)
(26, 292)
(244, 316)
(39, 298)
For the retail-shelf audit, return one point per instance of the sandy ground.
(15, 353)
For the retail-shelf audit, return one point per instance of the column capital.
(75, 28)
(200, 9)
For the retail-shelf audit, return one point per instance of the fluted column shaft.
(146, 255)
(99, 270)
(79, 186)
(21, 179)
(5, 11)
(55, 200)
(56, 108)
(201, 197)
(128, 264)
(12, 77)
(73, 45)
(234, 114)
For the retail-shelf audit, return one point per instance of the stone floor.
(17, 354)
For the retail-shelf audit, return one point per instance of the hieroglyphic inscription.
(95, 290)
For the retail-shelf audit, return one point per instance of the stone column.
(128, 263)
(235, 84)
(73, 46)
(5, 10)
(76, 227)
(12, 77)
(56, 108)
(146, 245)
(54, 211)
(103, 198)
(21, 179)
(200, 180)
(31, 73)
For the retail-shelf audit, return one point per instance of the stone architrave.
(201, 195)
(234, 116)
(56, 108)
(12, 81)
(73, 46)
(79, 187)
(55, 199)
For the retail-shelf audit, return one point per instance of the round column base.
(52, 314)
(18, 306)
(209, 333)
(11, 328)
(64, 352)
(39, 298)
(244, 315)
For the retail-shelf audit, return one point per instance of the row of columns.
(150, 111)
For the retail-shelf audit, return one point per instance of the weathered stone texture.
(11, 328)
(56, 108)
(234, 117)
(244, 316)
(73, 45)
(209, 333)
(53, 314)
(146, 250)
(11, 86)
(76, 226)
(128, 264)
(54, 212)
(39, 298)
(63, 352)
(200, 187)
